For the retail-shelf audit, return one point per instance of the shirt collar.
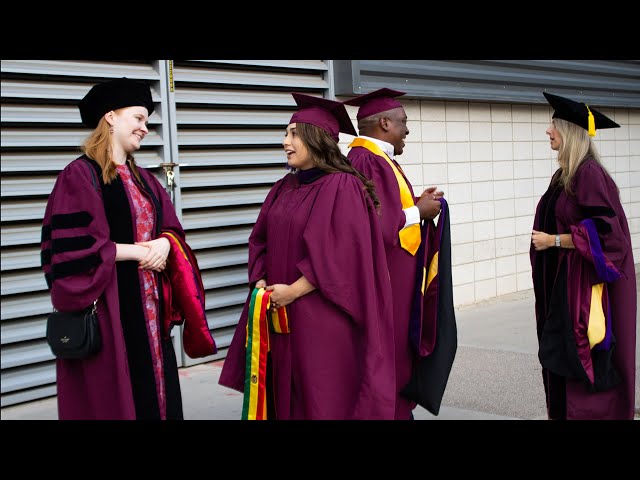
(385, 146)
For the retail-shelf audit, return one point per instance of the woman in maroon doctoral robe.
(101, 240)
(318, 247)
(584, 277)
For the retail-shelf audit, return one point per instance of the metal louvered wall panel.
(231, 116)
(598, 82)
(41, 132)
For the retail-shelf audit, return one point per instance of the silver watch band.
(558, 241)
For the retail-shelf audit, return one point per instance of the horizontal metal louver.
(614, 83)
(24, 233)
(25, 329)
(71, 71)
(57, 138)
(224, 197)
(17, 161)
(17, 306)
(28, 383)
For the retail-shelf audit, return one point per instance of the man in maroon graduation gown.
(337, 361)
(382, 123)
(584, 277)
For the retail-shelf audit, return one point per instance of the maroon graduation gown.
(402, 265)
(587, 383)
(337, 362)
(81, 223)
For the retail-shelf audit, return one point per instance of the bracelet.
(558, 241)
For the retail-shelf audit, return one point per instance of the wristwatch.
(558, 241)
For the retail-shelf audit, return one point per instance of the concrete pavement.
(496, 374)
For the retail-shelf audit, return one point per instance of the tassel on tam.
(579, 114)
(592, 123)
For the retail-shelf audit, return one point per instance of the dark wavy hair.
(326, 156)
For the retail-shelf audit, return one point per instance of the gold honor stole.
(409, 236)
(597, 328)
(261, 320)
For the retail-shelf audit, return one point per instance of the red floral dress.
(144, 232)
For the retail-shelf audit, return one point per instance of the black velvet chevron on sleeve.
(73, 267)
(70, 244)
(63, 269)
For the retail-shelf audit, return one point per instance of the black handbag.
(74, 335)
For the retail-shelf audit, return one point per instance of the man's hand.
(428, 207)
(432, 193)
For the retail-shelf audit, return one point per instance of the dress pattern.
(144, 232)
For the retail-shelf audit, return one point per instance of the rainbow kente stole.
(409, 236)
(261, 320)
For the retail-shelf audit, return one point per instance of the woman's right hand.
(541, 240)
(128, 251)
(262, 283)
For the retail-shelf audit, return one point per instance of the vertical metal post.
(171, 166)
(171, 159)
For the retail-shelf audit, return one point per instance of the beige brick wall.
(493, 162)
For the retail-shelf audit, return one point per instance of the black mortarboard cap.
(579, 113)
(112, 95)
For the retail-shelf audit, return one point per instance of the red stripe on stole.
(261, 413)
(283, 321)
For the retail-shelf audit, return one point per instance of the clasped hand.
(156, 258)
(281, 296)
(428, 204)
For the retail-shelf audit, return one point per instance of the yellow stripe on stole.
(597, 326)
(409, 236)
(271, 321)
(433, 269)
(255, 356)
(275, 322)
(278, 319)
(177, 243)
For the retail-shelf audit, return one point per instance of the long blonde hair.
(98, 147)
(575, 147)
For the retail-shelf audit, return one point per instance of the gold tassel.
(592, 123)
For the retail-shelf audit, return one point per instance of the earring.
(111, 130)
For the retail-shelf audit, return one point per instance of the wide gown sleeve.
(345, 257)
(258, 238)
(77, 255)
(599, 238)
